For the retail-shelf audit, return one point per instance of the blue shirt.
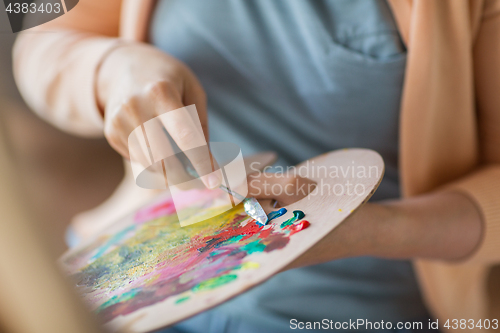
(300, 78)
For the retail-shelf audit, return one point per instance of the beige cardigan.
(450, 114)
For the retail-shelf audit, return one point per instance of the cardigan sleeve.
(483, 185)
(55, 65)
(469, 288)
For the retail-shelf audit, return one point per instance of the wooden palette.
(146, 272)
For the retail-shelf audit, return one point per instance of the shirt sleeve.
(56, 64)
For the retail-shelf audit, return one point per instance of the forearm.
(441, 225)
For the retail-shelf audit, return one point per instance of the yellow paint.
(205, 214)
(250, 265)
(151, 280)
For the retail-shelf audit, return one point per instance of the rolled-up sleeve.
(56, 64)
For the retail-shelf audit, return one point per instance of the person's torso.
(301, 78)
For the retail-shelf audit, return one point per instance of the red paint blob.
(299, 226)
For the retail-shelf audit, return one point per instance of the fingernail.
(213, 181)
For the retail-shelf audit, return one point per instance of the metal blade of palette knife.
(251, 205)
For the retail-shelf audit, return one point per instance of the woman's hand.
(347, 240)
(138, 82)
(440, 225)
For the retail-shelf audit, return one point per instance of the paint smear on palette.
(154, 258)
(297, 215)
(274, 215)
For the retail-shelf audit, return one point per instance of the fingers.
(121, 120)
(285, 188)
(195, 94)
(186, 132)
(135, 103)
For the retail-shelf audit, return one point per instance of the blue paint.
(115, 239)
(276, 214)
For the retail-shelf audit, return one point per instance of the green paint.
(215, 253)
(214, 282)
(182, 299)
(234, 239)
(118, 299)
(255, 246)
(297, 215)
(300, 214)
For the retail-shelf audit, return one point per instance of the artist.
(417, 81)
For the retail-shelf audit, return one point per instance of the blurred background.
(60, 174)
